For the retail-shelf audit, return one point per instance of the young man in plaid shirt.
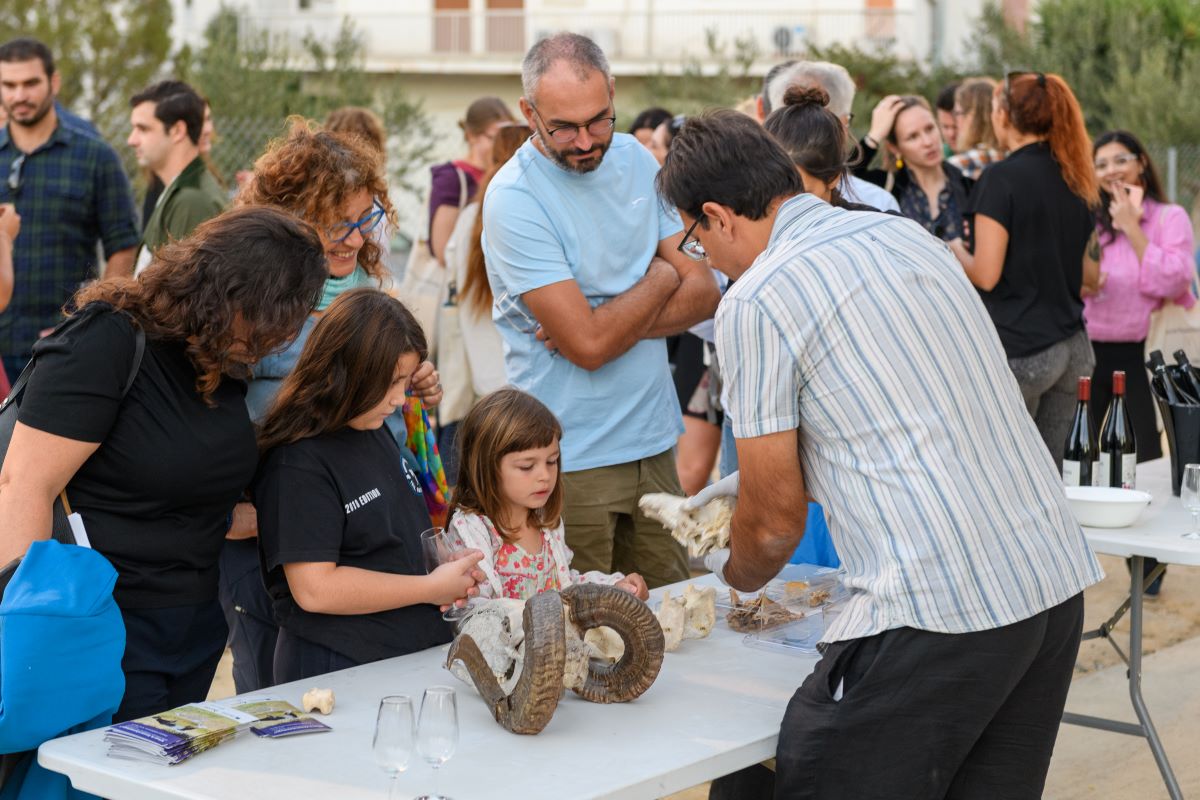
(70, 190)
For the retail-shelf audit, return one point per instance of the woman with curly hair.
(154, 466)
(335, 182)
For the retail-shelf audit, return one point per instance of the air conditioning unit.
(789, 40)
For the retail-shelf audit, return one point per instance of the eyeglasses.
(565, 134)
(14, 174)
(369, 222)
(1117, 161)
(690, 246)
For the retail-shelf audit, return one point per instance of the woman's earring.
(899, 162)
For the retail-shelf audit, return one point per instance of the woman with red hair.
(1032, 222)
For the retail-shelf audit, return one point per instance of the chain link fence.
(1179, 170)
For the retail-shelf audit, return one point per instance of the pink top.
(1133, 289)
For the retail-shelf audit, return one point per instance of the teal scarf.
(357, 279)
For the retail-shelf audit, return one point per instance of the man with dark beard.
(585, 266)
(70, 190)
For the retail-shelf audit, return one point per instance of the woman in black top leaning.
(1032, 224)
(340, 513)
(155, 474)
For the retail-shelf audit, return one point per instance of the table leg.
(1135, 679)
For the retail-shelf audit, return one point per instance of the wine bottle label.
(1129, 471)
(1070, 474)
(1103, 475)
(1099, 475)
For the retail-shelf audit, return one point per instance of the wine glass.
(438, 545)
(1189, 493)
(437, 732)
(394, 734)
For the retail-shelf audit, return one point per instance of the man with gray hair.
(588, 277)
(838, 84)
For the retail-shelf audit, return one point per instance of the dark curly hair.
(254, 269)
(311, 172)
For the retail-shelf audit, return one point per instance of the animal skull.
(701, 530)
(521, 671)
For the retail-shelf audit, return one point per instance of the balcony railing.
(499, 38)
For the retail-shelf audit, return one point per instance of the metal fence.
(1178, 167)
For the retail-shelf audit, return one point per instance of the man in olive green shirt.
(167, 119)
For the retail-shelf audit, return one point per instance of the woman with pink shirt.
(1145, 259)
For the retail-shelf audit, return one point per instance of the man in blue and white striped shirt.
(862, 368)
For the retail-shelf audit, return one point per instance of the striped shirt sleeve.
(759, 368)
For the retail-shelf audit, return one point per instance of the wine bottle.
(1163, 381)
(1079, 453)
(1191, 379)
(1118, 448)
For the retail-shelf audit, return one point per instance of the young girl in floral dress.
(508, 502)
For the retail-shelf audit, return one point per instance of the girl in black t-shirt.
(340, 513)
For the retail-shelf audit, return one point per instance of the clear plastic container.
(790, 613)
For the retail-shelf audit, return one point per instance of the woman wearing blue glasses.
(335, 182)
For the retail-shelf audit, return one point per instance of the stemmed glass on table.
(438, 546)
(1189, 493)
(394, 735)
(437, 732)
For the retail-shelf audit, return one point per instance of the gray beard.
(561, 160)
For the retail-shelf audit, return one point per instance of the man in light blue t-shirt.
(584, 265)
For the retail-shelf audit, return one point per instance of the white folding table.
(1156, 534)
(715, 708)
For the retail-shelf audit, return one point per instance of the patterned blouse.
(947, 224)
(523, 574)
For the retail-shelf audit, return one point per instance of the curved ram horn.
(531, 704)
(591, 605)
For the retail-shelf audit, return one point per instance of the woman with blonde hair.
(975, 142)
(1032, 221)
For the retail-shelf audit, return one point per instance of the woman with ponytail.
(1032, 222)
(815, 140)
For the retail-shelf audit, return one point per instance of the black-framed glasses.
(690, 246)
(367, 223)
(565, 134)
(14, 174)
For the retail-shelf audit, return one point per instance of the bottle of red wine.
(1079, 453)
(1118, 448)
(1190, 378)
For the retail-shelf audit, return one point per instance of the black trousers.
(297, 658)
(171, 656)
(926, 716)
(248, 612)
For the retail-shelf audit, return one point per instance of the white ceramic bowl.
(1102, 507)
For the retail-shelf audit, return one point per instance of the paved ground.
(1095, 764)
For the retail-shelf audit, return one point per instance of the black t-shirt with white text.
(156, 495)
(346, 497)
(1036, 303)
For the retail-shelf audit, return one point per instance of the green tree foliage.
(720, 79)
(105, 50)
(254, 81)
(1131, 63)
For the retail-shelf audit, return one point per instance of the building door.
(452, 26)
(506, 26)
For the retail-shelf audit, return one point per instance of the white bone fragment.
(700, 610)
(672, 617)
(604, 644)
(701, 530)
(317, 700)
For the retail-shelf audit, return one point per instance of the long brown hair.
(974, 97)
(255, 268)
(346, 367)
(1043, 105)
(476, 292)
(311, 172)
(505, 421)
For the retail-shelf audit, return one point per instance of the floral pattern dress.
(523, 574)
